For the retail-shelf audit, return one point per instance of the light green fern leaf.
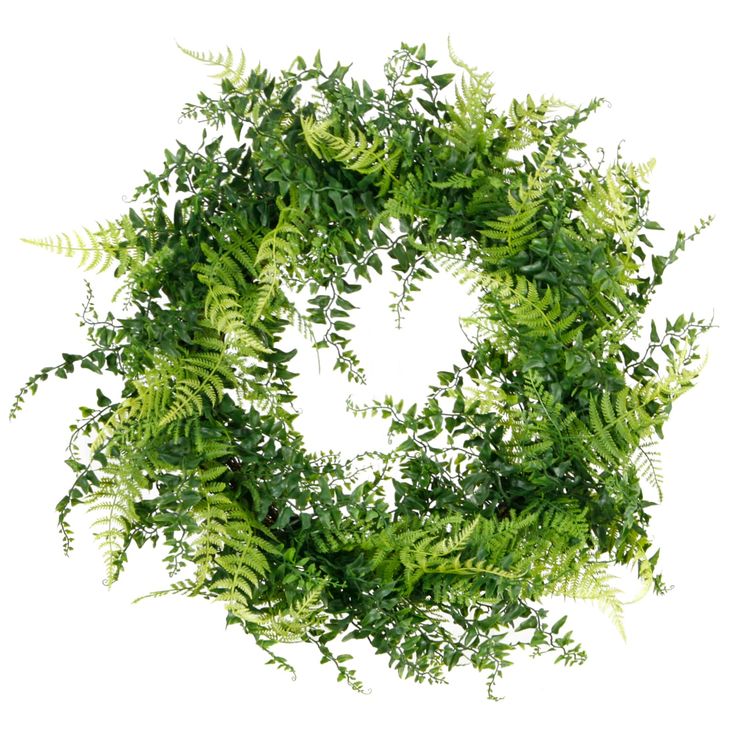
(121, 485)
(356, 153)
(197, 377)
(540, 314)
(97, 249)
(594, 582)
(307, 612)
(469, 126)
(618, 423)
(649, 467)
(518, 228)
(456, 181)
(232, 68)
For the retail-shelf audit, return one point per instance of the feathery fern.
(354, 153)
(120, 488)
(538, 314)
(232, 67)
(519, 228)
(97, 249)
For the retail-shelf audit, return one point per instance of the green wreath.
(523, 474)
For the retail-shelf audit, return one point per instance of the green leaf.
(528, 623)
(443, 80)
(653, 334)
(428, 105)
(557, 625)
(102, 400)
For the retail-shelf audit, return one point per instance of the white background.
(91, 94)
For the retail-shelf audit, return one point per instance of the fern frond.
(207, 475)
(278, 249)
(245, 568)
(99, 248)
(456, 181)
(225, 266)
(528, 120)
(120, 488)
(469, 115)
(540, 314)
(457, 541)
(518, 229)
(645, 571)
(618, 424)
(232, 67)
(649, 467)
(354, 153)
(229, 552)
(212, 516)
(607, 211)
(196, 375)
(224, 312)
(232, 298)
(181, 587)
(592, 581)
(307, 612)
(642, 172)
(120, 421)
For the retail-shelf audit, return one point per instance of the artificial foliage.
(528, 471)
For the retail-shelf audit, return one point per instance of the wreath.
(528, 470)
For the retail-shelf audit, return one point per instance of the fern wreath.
(529, 469)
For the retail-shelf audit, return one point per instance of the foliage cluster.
(525, 472)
